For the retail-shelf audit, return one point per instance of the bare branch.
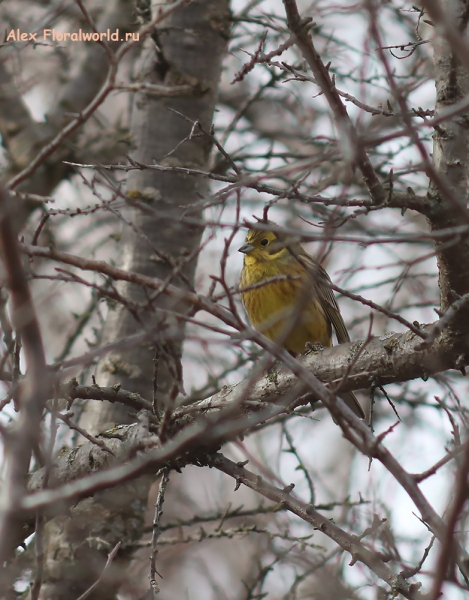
(300, 30)
(35, 388)
(308, 513)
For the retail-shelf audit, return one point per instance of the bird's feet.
(313, 348)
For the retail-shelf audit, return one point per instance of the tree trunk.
(158, 243)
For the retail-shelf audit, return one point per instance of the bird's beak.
(246, 248)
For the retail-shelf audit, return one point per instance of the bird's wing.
(331, 308)
(327, 298)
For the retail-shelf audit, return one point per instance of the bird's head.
(263, 246)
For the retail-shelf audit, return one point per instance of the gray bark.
(450, 157)
(192, 45)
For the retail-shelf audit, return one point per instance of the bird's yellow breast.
(285, 309)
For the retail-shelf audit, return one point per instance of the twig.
(300, 29)
(441, 463)
(94, 440)
(354, 361)
(436, 176)
(39, 546)
(240, 75)
(34, 390)
(242, 530)
(378, 308)
(157, 531)
(445, 321)
(110, 558)
(448, 552)
(211, 137)
(307, 513)
(300, 466)
(412, 572)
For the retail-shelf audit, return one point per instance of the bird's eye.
(264, 242)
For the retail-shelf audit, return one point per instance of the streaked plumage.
(297, 306)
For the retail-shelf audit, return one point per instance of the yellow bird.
(289, 300)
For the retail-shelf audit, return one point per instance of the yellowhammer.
(295, 305)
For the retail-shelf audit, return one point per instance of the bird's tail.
(351, 401)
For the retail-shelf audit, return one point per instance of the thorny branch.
(156, 530)
(300, 29)
(308, 513)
